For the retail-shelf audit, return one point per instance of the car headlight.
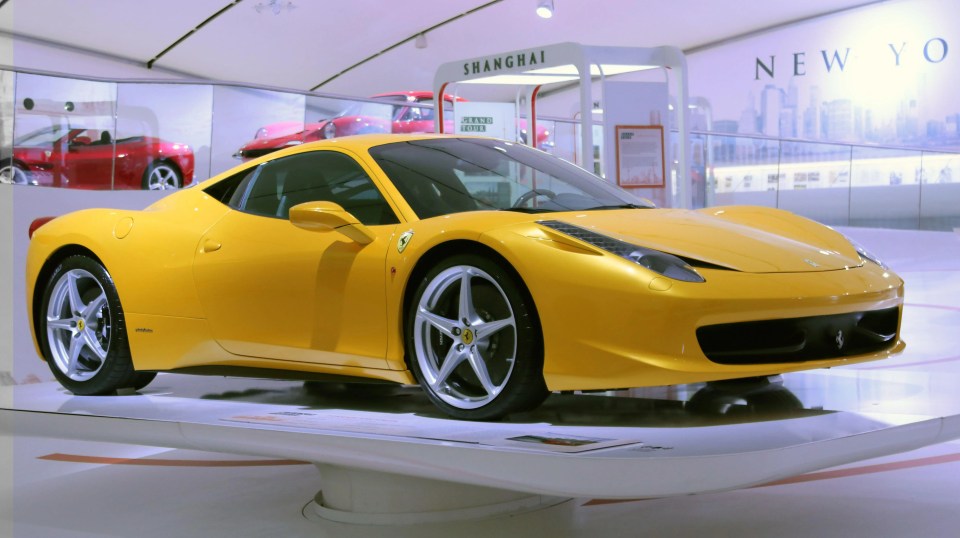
(329, 130)
(866, 254)
(661, 263)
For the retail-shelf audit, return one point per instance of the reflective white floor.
(78, 489)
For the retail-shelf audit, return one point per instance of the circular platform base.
(359, 497)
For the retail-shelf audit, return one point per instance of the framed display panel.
(244, 117)
(333, 118)
(640, 156)
(163, 134)
(63, 132)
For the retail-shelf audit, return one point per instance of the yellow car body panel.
(206, 285)
(594, 326)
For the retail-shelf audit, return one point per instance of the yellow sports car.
(488, 272)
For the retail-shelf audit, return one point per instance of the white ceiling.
(318, 39)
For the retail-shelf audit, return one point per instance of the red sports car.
(60, 156)
(359, 118)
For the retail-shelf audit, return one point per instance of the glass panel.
(7, 80)
(744, 171)
(547, 139)
(815, 181)
(886, 188)
(248, 123)
(163, 135)
(317, 176)
(595, 164)
(940, 192)
(332, 118)
(564, 138)
(63, 131)
(699, 148)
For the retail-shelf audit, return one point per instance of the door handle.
(211, 245)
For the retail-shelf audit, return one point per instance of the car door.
(88, 160)
(272, 290)
(413, 119)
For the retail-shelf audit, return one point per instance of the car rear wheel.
(161, 176)
(13, 175)
(474, 341)
(82, 331)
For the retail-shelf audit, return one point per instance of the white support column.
(365, 497)
(6, 342)
(684, 186)
(7, 275)
(586, 116)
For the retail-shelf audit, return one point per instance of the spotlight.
(545, 8)
(274, 6)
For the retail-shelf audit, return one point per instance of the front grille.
(800, 339)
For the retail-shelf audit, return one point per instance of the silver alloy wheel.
(162, 177)
(465, 337)
(78, 325)
(12, 175)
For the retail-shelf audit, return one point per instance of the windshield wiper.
(527, 210)
(619, 206)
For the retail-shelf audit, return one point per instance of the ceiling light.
(274, 6)
(545, 8)
(421, 41)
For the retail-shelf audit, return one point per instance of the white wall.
(6, 346)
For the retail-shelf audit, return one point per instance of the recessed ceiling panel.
(301, 46)
(131, 29)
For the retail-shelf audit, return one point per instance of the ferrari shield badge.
(404, 240)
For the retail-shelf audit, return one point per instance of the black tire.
(143, 379)
(82, 332)
(162, 175)
(493, 373)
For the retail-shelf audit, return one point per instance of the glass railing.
(838, 184)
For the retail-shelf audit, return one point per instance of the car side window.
(272, 188)
(226, 190)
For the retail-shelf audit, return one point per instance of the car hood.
(754, 240)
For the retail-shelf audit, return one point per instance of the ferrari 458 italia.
(487, 272)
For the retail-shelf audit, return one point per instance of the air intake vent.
(800, 339)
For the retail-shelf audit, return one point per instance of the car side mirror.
(328, 216)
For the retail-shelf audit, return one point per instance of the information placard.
(640, 160)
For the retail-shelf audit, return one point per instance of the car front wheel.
(474, 341)
(82, 331)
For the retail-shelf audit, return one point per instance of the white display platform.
(386, 456)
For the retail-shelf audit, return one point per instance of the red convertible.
(60, 156)
(360, 118)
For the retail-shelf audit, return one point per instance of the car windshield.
(440, 176)
(375, 110)
(42, 137)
